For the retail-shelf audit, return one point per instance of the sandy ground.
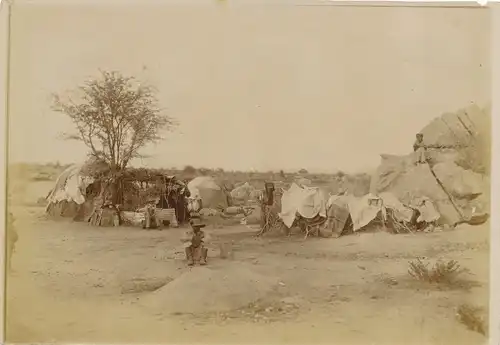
(71, 283)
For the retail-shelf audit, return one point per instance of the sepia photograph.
(237, 171)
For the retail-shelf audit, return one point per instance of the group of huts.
(452, 188)
(82, 191)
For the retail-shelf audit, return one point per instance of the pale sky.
(254, 87)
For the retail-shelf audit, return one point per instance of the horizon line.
(214, 169)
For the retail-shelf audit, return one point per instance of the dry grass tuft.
(471, 317)
(440, 273)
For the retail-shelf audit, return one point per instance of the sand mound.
(209, 289)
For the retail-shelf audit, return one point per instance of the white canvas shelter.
(308, 202)
(67, 197)
(364, 210)
(70, 186)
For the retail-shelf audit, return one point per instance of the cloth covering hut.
(212, 195)
(350, 213)
(307, 202)
(68, 197)
(82, 190)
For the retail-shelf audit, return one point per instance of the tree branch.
(115, 117)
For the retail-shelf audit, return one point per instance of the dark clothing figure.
(176, 198)
(181, 210)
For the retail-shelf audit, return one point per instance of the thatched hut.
(92, 192)
(137, 186)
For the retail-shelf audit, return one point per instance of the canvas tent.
(211, 194)
(310, 202)
(307, 202)
(349, 212)
(358, 212)
(67, 197)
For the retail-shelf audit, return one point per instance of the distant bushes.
(358, 184)
(43, 176)
(46, 173)
(189, 170)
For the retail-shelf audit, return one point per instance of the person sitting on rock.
(194, 242)
(420, 150)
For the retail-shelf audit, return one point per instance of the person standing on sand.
(194, 242)
(420, 150)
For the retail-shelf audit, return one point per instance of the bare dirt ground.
(76, 283)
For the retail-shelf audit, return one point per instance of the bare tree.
(115, 117)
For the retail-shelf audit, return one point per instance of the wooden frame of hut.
(133, 188)
(137, 186)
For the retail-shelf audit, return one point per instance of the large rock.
(461, 183)
(455, 168)
(408, 181)
(469, 127)
(449, 128)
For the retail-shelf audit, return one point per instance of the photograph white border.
(494, 324)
